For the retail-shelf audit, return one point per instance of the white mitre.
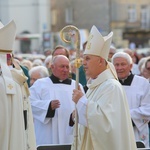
(7, 38)
(100, 46)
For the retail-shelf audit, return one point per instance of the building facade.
(43, 19)
(81, 13)
(32, 18)
(128, 19)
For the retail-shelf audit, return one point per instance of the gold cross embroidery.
(10, 86)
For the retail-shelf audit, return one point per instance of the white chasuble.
(29, 133)
(13, 134)
(11, 119)
(108, 119)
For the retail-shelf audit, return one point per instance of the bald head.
(60, 67)
(58, 58)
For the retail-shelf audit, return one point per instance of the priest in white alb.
(137, 89)
(51, 101)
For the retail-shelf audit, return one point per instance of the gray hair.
(122, 55)
(141, 63)
(39, 69)
(112, 49)
(48, 59)
(37, 62)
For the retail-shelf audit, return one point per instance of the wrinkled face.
(111, 53)
(34, 77)
(122, 67)
(61, 68)
(145, 73)
(148, 66)
(148, 69)
(92, 65)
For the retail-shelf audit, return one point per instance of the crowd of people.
(40, 101)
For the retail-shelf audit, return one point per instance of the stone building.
(128, 19)
(81, 13)
(32, 18)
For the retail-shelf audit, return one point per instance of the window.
(145, 17)
(69, 15)
(132, 16)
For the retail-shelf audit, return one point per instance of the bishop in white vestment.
(104, 117)
(16, 121)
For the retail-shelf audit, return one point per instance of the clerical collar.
(57, 80)
(128, 80)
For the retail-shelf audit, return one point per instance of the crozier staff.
(74, 35)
